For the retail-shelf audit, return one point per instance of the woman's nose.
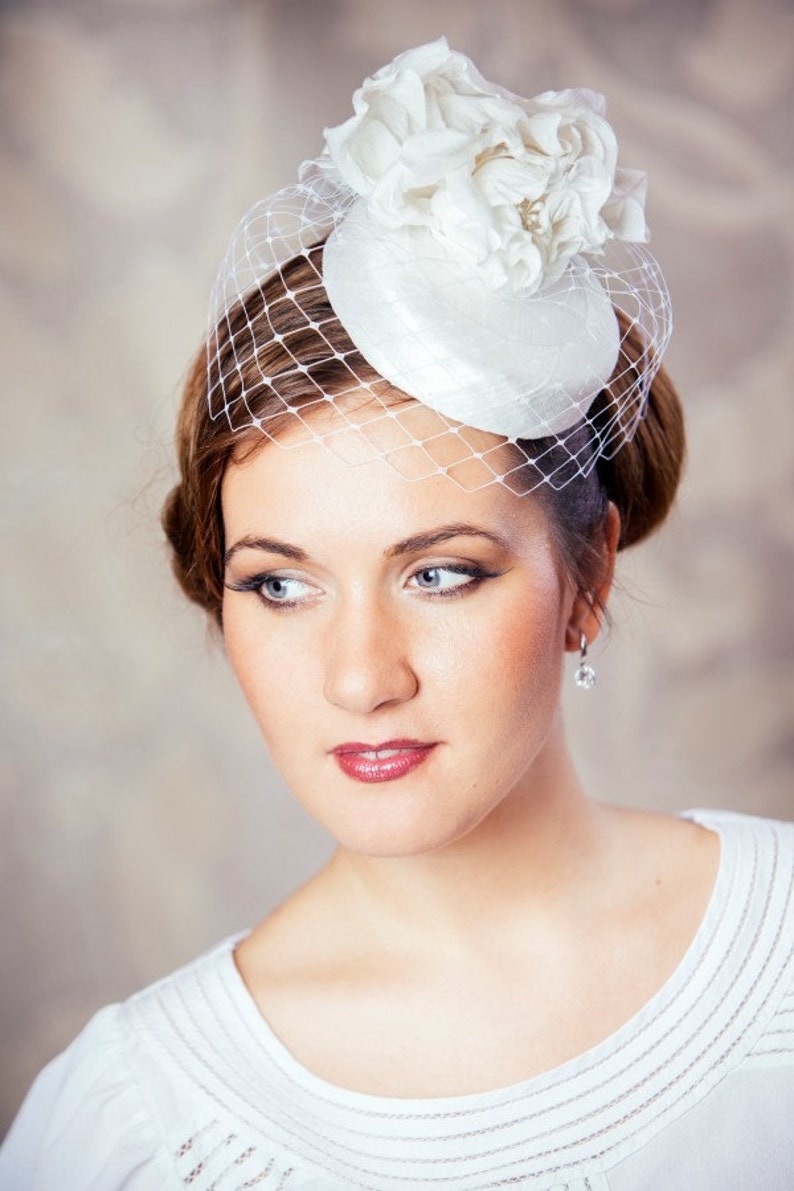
(367, 661)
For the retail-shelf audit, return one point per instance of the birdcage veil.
(479, 253)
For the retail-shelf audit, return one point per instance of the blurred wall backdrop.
(140, 818)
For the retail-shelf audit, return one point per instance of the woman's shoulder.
(756, 870)
(100, 1110)
(742, 822)
(765, 842)
(750, 925)
(85, 1114)
(746, 921)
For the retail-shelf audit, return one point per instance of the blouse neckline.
(617, 1038)
(594, 1108)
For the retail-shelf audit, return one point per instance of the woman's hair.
(640, 480)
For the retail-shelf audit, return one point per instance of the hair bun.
(641, 479)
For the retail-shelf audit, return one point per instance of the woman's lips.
(381, 762)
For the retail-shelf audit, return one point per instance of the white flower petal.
(541, 132)
(624, 213)
(518, 186)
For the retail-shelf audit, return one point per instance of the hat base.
(503, 362)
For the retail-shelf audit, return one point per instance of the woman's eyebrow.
(271, 545)
(413, 545)
(424, 541)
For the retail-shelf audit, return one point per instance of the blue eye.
(275, 588)
(447, 579)
(280, 589)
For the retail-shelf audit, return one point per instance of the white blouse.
(184, 1085)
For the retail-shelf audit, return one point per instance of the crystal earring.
(584, 675)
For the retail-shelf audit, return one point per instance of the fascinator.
(482, 253)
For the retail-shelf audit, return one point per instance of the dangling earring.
(584, 675)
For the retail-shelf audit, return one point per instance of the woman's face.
(400, 642)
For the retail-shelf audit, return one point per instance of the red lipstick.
(381, 762)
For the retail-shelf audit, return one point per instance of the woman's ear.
(588, 607)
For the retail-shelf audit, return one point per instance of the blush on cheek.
(530, 666)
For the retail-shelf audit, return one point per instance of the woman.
(430, 414)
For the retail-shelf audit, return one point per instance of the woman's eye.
(446, 579)
(279, 589)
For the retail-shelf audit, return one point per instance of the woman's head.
(282, 332)
(428, 414)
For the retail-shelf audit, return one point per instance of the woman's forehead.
(365, 425)
(307, 488)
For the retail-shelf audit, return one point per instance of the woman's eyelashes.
(449, 579)
(436, 580)
(277, 590)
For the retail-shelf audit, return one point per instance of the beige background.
(140, 819)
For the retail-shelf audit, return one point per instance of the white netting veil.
(459, 284)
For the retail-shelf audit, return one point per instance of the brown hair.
(292, 308)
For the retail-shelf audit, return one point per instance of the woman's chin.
(393, 832)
